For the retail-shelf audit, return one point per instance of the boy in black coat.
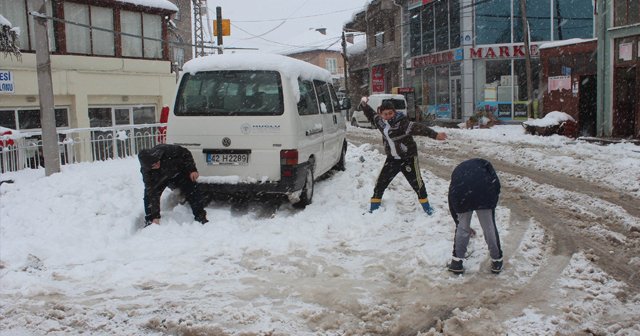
(402, 153)
(474, 187)
(169, 166)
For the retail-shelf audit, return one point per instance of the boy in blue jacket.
(402, 153)
(474, 187)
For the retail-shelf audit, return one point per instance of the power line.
(56, 19)
(299, 17)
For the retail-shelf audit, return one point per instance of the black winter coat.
(176, 164)
(398, 132)
(474, 186)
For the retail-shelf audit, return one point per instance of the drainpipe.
(602, 70)
(401, 8)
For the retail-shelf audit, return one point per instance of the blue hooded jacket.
(474, 186)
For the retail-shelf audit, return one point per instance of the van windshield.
(398, 104)
(230, 93)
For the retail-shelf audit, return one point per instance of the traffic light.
(226, 27)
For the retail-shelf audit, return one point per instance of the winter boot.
(375, 204)
(456, 266)
(496, 266)
(202, 218)
(426, 206)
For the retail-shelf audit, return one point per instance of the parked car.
(259, 124)
(360, 120)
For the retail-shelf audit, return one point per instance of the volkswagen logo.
(226, 142)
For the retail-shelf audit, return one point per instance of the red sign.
(507, 51)
(439, 58)
(417, 3)
(377, 79)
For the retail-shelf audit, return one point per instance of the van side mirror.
(346, 103)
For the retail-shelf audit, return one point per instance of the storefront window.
(454, 24)
(573, 19)
(8, 119)
(538, 18)
(30, 119)
(493, 22)
(430, 87)
(442, 92)
(417, 87)
(442, 27)
(415, 28)
(504, 93)
(428, 30)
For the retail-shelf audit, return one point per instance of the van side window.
(334, 99)
(324, 96)
(308, 103)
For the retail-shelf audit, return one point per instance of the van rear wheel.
(307, 191)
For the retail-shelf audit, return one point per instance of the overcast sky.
(285, 26)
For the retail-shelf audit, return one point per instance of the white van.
(360, 120)
(258, 124)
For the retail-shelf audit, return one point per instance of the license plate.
(227, 159)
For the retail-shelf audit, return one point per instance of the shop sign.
(417, 3)
(377, 79)
(626, 51)
(559, 83)
(6, 82)
(503, 51)
(432, 59)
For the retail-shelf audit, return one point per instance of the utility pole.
(527, 54)
(219, 28)
(346, 63)
(50, 149)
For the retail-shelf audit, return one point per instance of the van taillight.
(289, 157)
(162, 130)
(164, 114)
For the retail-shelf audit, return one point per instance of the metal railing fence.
(23, 150)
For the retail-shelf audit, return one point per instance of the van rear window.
(230, 93)
(398, 104)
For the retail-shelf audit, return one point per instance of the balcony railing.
(23, 150)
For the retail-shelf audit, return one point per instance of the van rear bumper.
(291, 183)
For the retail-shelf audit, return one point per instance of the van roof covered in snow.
(287, 66)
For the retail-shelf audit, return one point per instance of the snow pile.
(550, 119)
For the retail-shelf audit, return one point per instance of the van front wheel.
(307, 191)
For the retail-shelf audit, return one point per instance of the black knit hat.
(387, 105)
(148, 157)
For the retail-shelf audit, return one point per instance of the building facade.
(331, 60)
(467, 56)
(110, 64)
(618, 110)
(180, 33)
(378, 67)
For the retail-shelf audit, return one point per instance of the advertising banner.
(377, 79)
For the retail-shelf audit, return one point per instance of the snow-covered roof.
(562, 43)
(161, 4)
(287, 66)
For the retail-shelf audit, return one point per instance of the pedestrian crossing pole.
(50, 149)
